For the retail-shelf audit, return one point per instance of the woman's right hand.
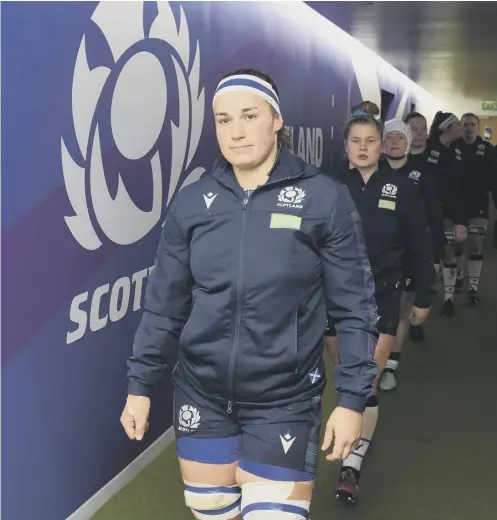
(344, 427)
(135, 416)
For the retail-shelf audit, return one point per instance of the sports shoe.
(448, 309)
(473, 298)
(348, 485)
(388, 381)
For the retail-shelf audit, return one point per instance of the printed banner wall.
(106, 114)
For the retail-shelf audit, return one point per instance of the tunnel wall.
(106, 114)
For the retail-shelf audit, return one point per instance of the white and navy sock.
(475, 263)
(449, 276)
(369, 421)
(393, 362)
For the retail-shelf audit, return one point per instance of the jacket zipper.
(239, 299)
(296, 342)
(231, 368)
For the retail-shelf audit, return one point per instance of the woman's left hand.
(344, 427)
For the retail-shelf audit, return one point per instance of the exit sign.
(489, 105)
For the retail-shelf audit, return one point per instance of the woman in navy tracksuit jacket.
(445, 129)
(252, 260)
(394, 225)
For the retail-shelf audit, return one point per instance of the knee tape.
(477, 230)
(213, 502)
(449, 235)
(263, 500)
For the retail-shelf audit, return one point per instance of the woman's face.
(363, 145)
(470, 127)
(419, 130)
(395, 144)
(454, 131)
(246, 128)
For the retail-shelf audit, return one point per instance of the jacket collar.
(475, 143)
(286, 166)
(354, 173)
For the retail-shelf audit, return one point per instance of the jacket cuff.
(352, 402)
(136, 387)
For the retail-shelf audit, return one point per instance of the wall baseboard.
(112, 488)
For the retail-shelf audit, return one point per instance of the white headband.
(447, 122)
(248, 83)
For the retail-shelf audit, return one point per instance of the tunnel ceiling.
(449, 48)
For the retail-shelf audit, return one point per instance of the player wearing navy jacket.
(478, 172)
(252, 259)
(398, 141)
(445, 129)
(394, 226)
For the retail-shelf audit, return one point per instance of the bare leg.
(406, 304)
(388, 381)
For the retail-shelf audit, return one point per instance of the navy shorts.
(479, 208)
(280, 443)
(478, 212)
(388, 309)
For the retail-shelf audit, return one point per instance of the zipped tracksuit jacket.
(448, 168)
(395, 230)
(417, 172)
(478, 169)
(242, 288)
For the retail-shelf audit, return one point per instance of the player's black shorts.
(478, 206)
(389, 310)
(408, 285)
(280, 443)
(478, 212)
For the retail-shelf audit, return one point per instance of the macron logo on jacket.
(209, 199)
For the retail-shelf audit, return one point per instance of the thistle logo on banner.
(122, 96)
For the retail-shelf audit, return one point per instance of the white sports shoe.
(388, 381)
